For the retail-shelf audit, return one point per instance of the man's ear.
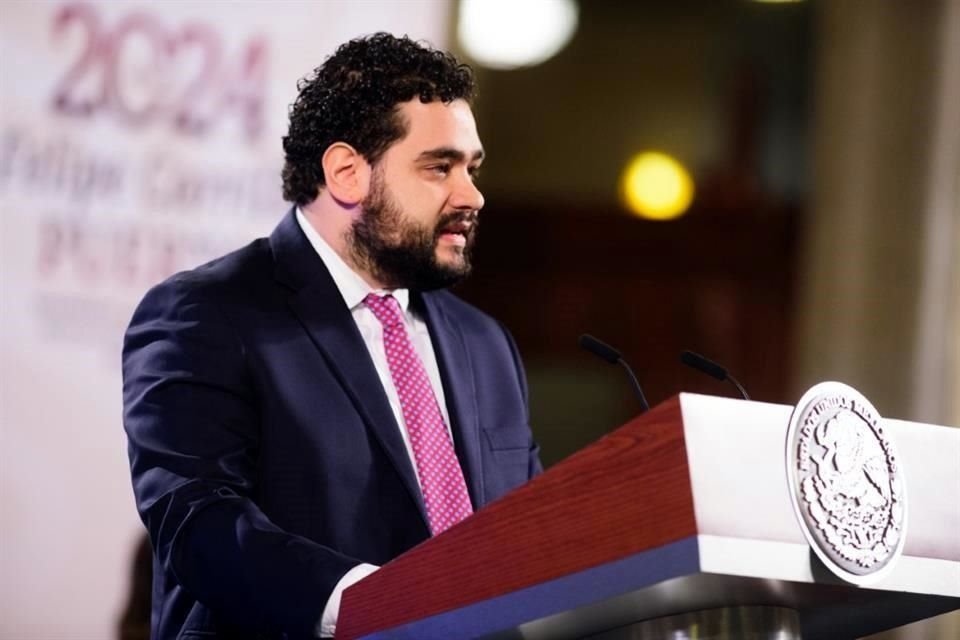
(346, 172)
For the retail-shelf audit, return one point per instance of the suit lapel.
(317, 303)
(456, 373)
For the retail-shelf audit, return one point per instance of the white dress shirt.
(354, 289)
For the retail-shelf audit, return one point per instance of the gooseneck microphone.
(611, 355)
(711, 368)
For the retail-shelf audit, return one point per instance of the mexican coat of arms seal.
(846, 483)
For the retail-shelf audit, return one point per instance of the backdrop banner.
(137, 139)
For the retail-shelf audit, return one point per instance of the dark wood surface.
(626, 493)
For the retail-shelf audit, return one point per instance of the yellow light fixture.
(656, 186)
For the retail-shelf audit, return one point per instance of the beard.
(401, 253)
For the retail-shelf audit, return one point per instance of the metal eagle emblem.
(846, 483)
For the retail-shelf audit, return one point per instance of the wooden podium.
(684, 509)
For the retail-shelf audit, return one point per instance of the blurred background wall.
(822, 240)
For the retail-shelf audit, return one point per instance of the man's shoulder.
(237, 267)
(238, 273)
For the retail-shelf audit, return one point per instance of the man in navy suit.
(314, 404)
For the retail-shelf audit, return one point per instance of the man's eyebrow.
(449, 153)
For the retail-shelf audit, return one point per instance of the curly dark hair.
(353, 96)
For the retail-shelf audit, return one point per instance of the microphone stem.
(742, 391)
(636, 385)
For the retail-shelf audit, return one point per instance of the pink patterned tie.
(441, 479)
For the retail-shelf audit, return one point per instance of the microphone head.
(599, 349)
(705, 365)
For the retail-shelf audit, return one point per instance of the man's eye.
(442, 169)
(474, 173)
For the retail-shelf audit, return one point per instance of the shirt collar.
(353, 288)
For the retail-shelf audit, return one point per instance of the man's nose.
(466, 195)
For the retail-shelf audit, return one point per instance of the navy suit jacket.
(265, 457)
